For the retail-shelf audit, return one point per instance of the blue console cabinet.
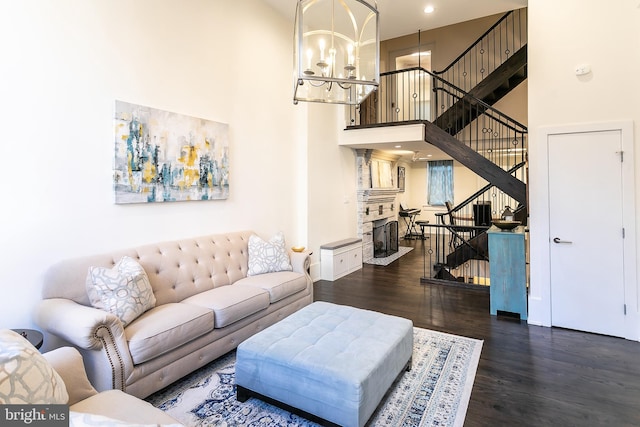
(507, 265)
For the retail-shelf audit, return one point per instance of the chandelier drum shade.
(336, 51)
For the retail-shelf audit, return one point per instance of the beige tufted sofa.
(205, 306)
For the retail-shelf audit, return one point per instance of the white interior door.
(586, 232)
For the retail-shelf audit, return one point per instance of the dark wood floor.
(527, 375)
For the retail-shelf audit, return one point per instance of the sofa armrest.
(300, 261)
(67, 362)
(99, 335)
(76, 323)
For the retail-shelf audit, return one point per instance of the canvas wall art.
(162, 156)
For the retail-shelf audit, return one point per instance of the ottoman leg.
(242, 394)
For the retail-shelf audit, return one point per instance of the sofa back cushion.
(176, 269)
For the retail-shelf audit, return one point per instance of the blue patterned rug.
(434, 393)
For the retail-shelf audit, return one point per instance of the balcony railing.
(416, 94)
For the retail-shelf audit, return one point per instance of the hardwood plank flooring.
(527, 375)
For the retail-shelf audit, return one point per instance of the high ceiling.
(402, 17)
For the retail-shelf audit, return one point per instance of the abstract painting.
(162, 156)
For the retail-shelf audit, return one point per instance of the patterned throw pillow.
(123, 290)
(26, 377)
(268, 257)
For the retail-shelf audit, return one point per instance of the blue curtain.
(440, 182)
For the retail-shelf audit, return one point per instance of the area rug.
(402, 250)
(435, 392)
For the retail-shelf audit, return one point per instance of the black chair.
(458, 234)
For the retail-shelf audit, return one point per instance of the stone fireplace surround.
(374, 204)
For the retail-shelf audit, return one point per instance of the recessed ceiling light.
(398, 146)
(429, 9)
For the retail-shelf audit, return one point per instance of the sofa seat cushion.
(279, 285)
(166, 327)
(231, 303)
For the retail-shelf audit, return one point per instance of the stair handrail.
(485, 34)
(487, 107)
(495, 31)
(484, 189)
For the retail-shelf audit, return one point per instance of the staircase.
(477, 246)
(456, 107)
(506, 77)
(490, 90)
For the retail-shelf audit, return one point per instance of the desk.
(33, 336)
(409, 216)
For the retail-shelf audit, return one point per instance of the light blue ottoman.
(328, 361)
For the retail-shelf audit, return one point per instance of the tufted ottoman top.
(333, 361)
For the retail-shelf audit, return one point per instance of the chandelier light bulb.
(333, 45)
(309, 71)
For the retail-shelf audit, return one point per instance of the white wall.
(332, 183)
(561, 36)
(64, 63)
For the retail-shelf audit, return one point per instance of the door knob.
(558, 240)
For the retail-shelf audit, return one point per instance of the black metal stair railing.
(457, 249)
(496, 136)
(417, 95)
(438, 253)
(492, 49)
(488, 202)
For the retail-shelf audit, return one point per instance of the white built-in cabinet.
(337, 259)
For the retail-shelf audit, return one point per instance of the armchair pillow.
(268, 257)
(123, 290)
(26, 377)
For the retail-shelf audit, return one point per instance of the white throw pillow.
(123, 290)
(268, 257)
(26, 377)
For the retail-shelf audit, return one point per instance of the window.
(439, 182)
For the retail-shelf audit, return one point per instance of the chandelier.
(336, 51)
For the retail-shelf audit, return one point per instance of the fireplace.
(385, 239)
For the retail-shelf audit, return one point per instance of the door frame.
(540, 285)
